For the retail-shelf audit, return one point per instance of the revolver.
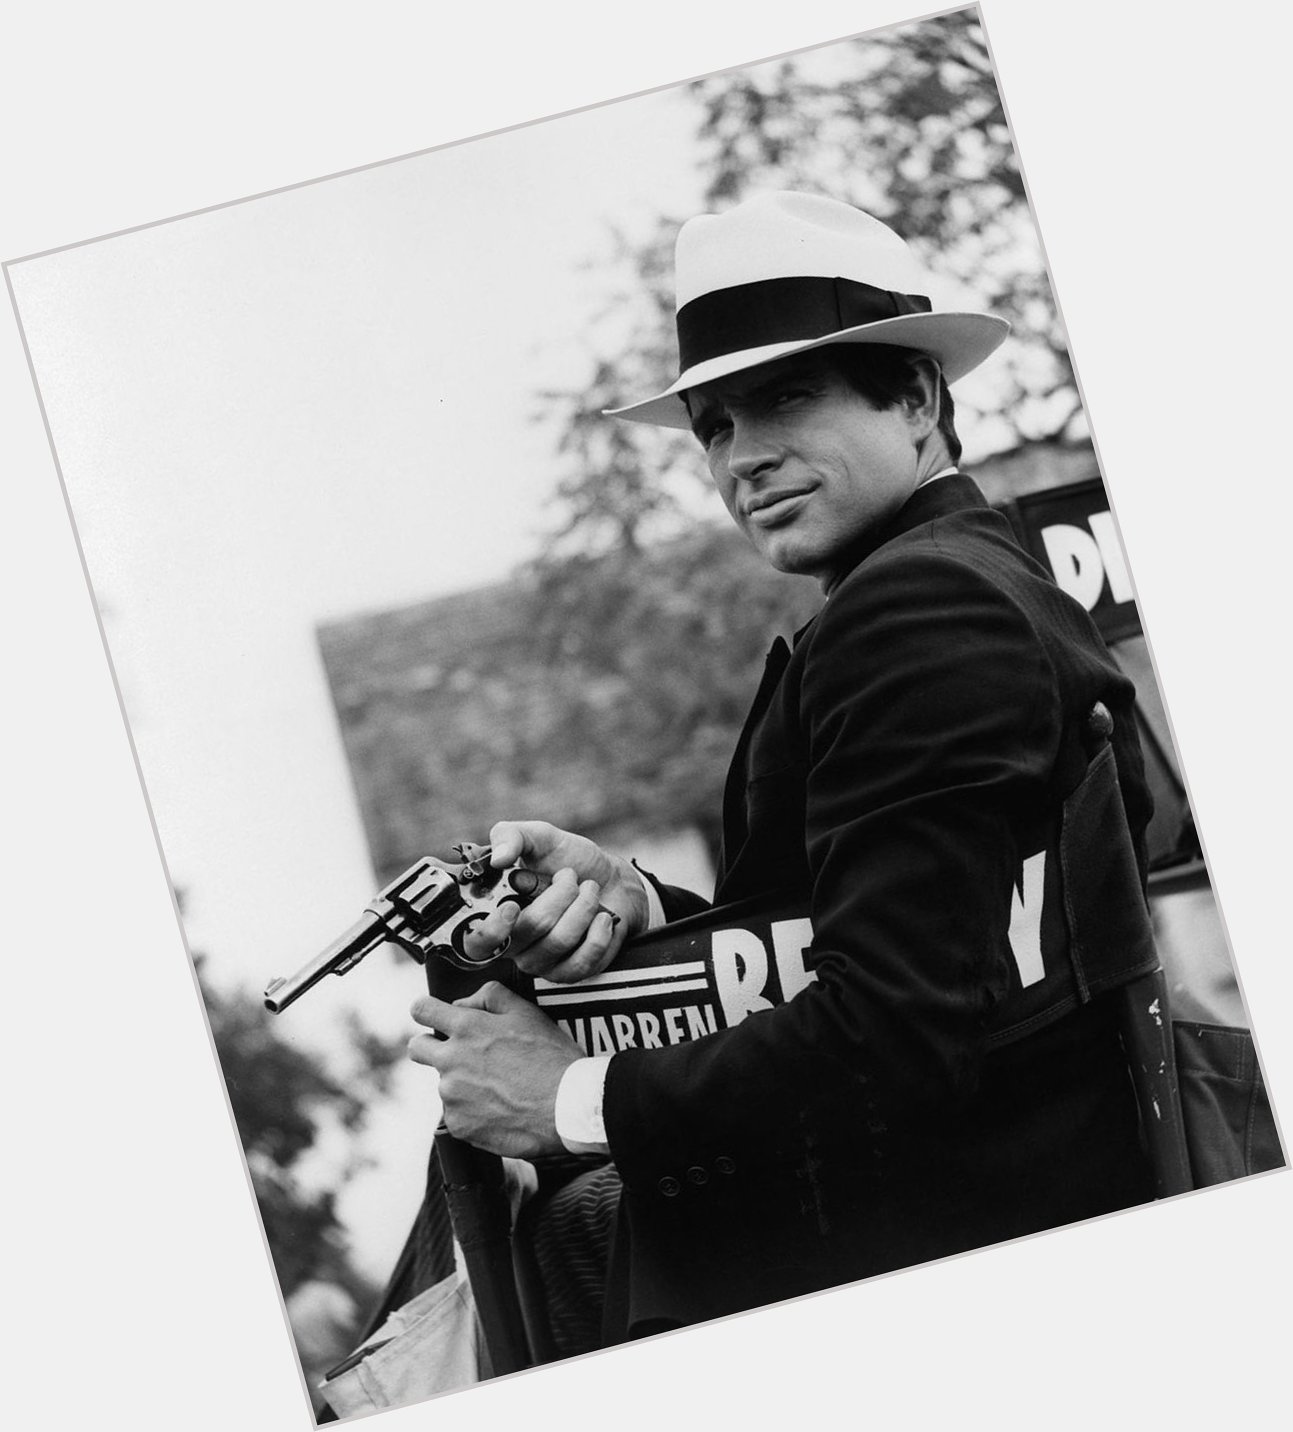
(428, 910)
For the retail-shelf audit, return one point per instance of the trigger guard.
(460, 932)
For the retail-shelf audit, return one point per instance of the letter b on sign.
(740, 972)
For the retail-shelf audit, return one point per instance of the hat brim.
(959, 342)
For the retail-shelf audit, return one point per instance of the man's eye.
(711, 433)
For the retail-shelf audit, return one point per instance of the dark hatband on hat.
(782, 310)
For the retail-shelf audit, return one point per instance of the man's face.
(804, 463)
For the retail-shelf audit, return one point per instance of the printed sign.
(1070, 531)
(689, 979)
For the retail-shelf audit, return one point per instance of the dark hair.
(884, 376)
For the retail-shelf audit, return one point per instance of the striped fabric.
(568, 1236)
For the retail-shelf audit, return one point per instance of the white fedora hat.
(783, 273)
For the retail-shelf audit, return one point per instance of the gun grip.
(449, 982)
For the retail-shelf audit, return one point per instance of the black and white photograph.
(676, 728)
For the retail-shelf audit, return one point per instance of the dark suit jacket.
(898, 766)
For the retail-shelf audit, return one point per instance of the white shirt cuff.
(578, 1112)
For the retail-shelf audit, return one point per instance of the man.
(941, 741)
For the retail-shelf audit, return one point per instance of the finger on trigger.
(499, 924)
(492, 934)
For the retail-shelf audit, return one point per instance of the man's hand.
(562, 935)
(500, 1061)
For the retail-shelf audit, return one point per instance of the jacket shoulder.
(942, 572)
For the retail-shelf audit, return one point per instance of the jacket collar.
(952, 493)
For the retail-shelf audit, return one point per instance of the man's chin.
(797, 559)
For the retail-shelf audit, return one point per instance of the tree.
(282, 1097)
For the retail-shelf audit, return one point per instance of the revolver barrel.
(341, 955)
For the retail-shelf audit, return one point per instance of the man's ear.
(923, 400)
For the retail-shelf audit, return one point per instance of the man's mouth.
(769, 509)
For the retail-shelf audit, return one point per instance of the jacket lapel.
(735, 826)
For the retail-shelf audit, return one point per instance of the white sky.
(305, 406)
(105, 126)
(313, 404)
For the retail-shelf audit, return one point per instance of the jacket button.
(724, 1164)
(669, 1186)
(1099, 722)
(697, 1175)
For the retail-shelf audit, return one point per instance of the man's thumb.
(492, 997)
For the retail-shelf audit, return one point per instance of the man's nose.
(752, 451)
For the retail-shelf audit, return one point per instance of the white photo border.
(142, 1289)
